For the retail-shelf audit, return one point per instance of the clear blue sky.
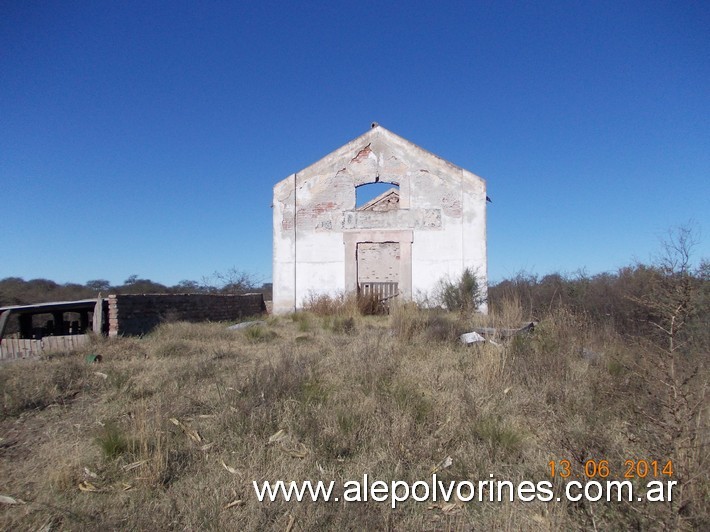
(145, 137)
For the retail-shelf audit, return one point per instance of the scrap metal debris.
(486, 334)
(471, 338)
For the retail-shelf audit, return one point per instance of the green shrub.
(112, 441)
(501, 437)
(464, 294)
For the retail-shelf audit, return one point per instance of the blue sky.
(145, 137)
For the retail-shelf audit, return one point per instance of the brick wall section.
(139, 314)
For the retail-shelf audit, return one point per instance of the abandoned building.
(429, 225)
(29, 330)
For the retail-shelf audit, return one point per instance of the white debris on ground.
(471, 338)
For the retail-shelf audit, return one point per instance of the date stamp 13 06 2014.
(594, 469)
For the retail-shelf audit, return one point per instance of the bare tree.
(233, 281)
(676, 371)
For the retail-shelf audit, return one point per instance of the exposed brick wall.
(139, 314)
(378, 262)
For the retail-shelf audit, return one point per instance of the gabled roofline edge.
(369, 133)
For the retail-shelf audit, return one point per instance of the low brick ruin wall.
(131, 314)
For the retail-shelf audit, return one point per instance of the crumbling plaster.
(440, 223)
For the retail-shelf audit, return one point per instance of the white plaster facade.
(432, 227)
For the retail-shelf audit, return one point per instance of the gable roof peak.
(386, 201)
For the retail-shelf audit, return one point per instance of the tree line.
(668, 297)
(17, 291)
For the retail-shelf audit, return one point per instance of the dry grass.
(172, 428)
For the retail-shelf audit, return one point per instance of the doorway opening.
(378, 270)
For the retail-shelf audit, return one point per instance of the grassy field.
(170, 430)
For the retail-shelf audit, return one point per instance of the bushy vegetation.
(463, 294)
(345, 305)
(634, 300)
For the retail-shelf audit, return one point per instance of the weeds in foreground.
(193, 414)
(112, 441)
(257, 334)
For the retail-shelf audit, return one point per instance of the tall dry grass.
(169, 431)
